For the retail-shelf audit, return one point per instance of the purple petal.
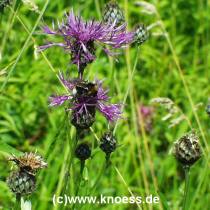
(44, 47)
(58, 100)
(70, 84)
(47, 30)
(79, 37)
(102, 94)
(111, 112)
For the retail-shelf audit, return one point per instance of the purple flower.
(85, 98)
(146, 111)
(146, 117)
(80, 38)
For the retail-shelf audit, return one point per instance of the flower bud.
(187, 149)
(83, 152)
(113, 14)
(22, 183)
(108, 143)
(141, 34)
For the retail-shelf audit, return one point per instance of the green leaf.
(8, 150)
(164, 201)
(85, 174)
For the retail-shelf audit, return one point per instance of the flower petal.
(111, 112)
(44, 47)
(70, 84)
(58, 100)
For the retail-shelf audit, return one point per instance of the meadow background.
(173, 63)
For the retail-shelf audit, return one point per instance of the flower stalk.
(26, 205)
(18, 202)
(187, 185)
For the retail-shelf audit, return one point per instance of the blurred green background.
(173, 63)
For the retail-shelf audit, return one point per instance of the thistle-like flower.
(23, 181)
(187, 149)
(141, 34)
(113, 14)
(80, 38)
(146, 116)
(84, 99)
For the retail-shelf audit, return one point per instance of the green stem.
(129, 83)
(108, 161)
(93, 189)
(186, 191)
(24, 46)
(103, 168)
(18, 204)
(9, 27)
(82, 166)
(186, 87)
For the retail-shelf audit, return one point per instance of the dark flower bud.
(83, 152)
(3, 4)
(141, 34)
(113, 13)
(22, 183)
(187, 149)
(208, 110)
(108, 143)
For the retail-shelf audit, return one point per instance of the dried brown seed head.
(29, 162)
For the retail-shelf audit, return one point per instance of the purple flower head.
(84, 99)
(146, 111)
(146, 114)
(80, 38)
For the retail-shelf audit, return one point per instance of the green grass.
(175, 65)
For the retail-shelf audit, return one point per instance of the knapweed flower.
(146, 116)
(84, 99)
(141, 34)
(81, 37)
(113, 13)
(187, 149)
(23, 181)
